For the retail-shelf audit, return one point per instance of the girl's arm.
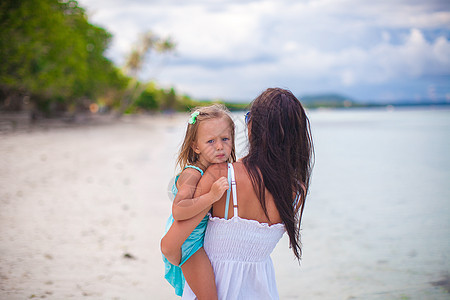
(185, 206)
(175, 237)
(177, 234)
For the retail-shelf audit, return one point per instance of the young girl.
(209, 140)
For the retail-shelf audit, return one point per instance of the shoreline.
(13, 122)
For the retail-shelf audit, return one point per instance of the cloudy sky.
(383, 50)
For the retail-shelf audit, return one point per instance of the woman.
(268, 193)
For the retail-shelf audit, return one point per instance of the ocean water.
(376, 223)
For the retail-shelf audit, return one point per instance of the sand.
(82, 210)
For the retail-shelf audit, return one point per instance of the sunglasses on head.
(247, 117)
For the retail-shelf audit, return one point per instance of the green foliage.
(232, 106)
(148, 99)
(135, 97)
(52, 55)
(326, 100)
(169, 100)
(153, 98)
(50, 51)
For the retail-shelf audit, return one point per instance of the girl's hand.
(218, 188)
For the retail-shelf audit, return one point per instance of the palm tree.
(136, 59)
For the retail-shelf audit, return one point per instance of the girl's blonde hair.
(187, 155)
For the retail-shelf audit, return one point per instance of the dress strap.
(228, 191)
(194, 167)
(233, 189)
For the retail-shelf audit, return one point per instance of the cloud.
(233, 49)
(309, 67)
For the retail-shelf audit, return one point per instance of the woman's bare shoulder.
(217, 170)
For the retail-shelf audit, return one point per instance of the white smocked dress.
(239, 251)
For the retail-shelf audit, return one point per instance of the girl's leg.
(199, 275)
(171, 244)
(176, 235)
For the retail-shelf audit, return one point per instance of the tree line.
(53, 60)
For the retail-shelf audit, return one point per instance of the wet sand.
(82, 210)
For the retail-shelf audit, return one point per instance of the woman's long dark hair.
(280, 156)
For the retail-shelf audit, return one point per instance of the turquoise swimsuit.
(193, 243)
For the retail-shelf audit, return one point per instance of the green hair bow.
(194, 116)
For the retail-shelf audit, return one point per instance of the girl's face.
(213, 143)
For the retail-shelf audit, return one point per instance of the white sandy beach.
(75, 201)
(82, 210)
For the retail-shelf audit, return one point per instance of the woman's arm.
(185, 205)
